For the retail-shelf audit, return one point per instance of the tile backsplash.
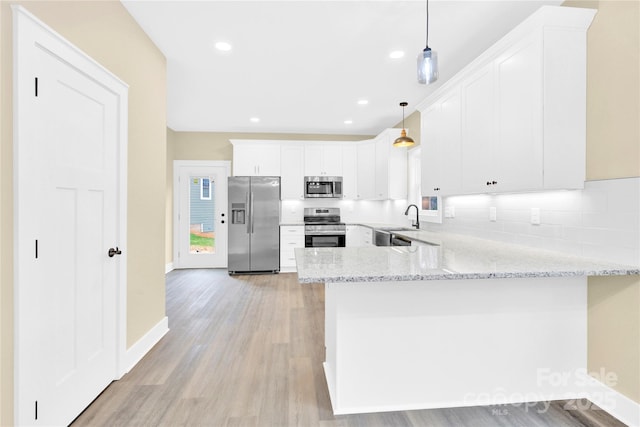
(602, 221)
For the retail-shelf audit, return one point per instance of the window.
(205, 189)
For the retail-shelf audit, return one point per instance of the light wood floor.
(248, 351)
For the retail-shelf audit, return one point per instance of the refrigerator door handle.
(249, 214)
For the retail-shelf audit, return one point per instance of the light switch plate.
(535, 216)
(450, 212)
(493, 214)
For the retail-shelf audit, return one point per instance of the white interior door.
(200, 214)
(70, 126)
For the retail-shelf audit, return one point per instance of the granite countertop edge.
(466, 276)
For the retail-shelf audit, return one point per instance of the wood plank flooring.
(248, 351)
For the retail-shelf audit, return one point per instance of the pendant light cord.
(427, 23)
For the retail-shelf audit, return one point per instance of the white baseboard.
(137, 351)
(168, 267)
(614, 403)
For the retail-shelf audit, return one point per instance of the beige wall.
(613, 151)
(107, 33)
(168, 226)
(613, 91)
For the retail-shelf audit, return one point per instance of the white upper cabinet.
(322, 160)
(391, 167)
(256, 158)
(519, 129)
(522, 112)
(349, 172)
(441, 147)
(292, 171)
(366, 170)
(478, 131)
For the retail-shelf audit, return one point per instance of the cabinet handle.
(492, 182)
(436, 189)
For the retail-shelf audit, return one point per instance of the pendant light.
(427, 61)
(403, 140)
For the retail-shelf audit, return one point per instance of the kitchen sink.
(395, 228)
(384, 236)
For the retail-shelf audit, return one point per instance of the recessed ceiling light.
(396, 54)
(223, 46)
(363, 101)
(254, 119)
(348, 122)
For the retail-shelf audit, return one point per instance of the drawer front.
(292, 242)
(291, 237)
(288, 230)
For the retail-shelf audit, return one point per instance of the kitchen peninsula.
(452, 321)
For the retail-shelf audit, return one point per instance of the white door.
(200, 214)
(70, 128)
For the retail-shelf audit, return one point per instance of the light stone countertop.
(451, 256)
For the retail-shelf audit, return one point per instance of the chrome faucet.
(416, 223)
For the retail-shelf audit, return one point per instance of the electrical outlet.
(493, 214)
(450, 212)
(535, 216)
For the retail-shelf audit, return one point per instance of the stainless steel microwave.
(322, 186)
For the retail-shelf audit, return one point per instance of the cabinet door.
(291, 237)
(350, 172)
(397, 174)
(366, 170)
(354, 236)
(313, 160)
(268, 160)
(382, 148)
(429, 153)
(244, 162)
(450, 145)
(256, 160)
(292, 172)
(519, 141)
(332, 160)
(478, 123)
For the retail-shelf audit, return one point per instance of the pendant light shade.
(403, 140)
(427, 61)
(427, 66)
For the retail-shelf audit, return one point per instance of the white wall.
(602, 221)
(351, 211)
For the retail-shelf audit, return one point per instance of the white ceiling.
(301, 66)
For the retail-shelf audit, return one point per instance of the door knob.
(113, 252)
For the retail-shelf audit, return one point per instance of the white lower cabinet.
(291, 237)
(353, 238)
(358, 236)
(367, 236)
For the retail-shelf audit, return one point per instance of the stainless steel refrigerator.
(254, 228)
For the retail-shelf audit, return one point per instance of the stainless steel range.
(323, 229)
